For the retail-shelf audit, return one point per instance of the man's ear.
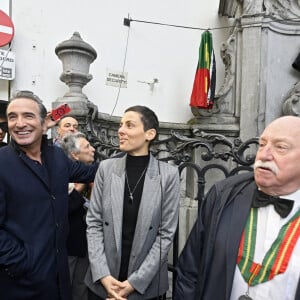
(57, 130)
(150, 134)
(74, 156)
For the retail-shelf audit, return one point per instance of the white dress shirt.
(282, 286)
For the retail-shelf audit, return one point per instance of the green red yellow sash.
(277, 257)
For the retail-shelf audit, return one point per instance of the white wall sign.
(116, 78)
(7, 65)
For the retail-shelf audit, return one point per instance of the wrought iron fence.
(200, 155)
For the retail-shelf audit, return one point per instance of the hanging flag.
(205, 78)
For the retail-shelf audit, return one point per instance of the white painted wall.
(4, 84)
(167, 53)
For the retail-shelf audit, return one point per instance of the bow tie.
(282, 206)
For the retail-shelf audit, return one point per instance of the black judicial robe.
(207, 263)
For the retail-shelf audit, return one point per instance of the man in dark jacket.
(34, 179)
(78, 148)
(245, 243)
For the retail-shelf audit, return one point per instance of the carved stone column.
(250, 81)
(76, 56)
(260, 84)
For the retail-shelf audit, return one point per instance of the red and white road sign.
(7, 29)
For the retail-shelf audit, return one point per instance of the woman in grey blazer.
(133, 215)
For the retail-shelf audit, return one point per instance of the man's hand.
(49, 122)
(79, 187)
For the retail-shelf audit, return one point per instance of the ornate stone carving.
(285, 9)
(76, 56)
(251, 7)
(291, 105)
(281, 8)
(225, 101)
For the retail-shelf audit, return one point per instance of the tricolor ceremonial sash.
(277, 257)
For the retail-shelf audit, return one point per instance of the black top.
(135, 166)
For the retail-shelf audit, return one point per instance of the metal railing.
(202, 160)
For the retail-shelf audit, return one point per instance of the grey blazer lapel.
(117, 199)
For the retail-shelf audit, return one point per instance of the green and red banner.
(205, 78)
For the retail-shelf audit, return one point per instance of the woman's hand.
(126, 289)
(112, 287)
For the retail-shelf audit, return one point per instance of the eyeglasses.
(3, 126)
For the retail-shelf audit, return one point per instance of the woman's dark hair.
(33, 97)
(148, 117)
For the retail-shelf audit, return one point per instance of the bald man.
(245, 243)
(65, 125)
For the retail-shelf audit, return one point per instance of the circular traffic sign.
(7, 29)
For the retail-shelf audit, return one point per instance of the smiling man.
(34, 179)
(246, 239)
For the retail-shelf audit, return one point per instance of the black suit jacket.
(76, 242)
(207, 263)
(33, 220)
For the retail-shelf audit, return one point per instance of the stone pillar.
(260, 83)
(76, 56)
(251, 110)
